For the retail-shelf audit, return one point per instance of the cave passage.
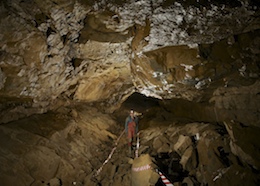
(71, 71)
(182, 145)
(73, 142)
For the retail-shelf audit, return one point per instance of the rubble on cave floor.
(199, 154)
(192, 153)
(69, 147)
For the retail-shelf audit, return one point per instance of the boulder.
(208, 156)
(161, 144)
(244, 142)
(157, 143)
(182, 144)
(143, 172)
(164, 148)
(187, 181)
(188, 159)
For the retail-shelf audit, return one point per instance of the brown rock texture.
(101, 52)
(70, 71)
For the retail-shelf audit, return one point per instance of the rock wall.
(201, 59)
(55, 148)
(42, 60)
(103, 51)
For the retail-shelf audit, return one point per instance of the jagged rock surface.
(68, 148)
(63, 147)
(201, 59)
(103, 51)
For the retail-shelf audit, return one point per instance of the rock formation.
(197, 60)
(103, 51)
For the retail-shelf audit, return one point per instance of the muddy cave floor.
(69, 146)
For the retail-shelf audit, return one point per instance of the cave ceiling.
(54, 52)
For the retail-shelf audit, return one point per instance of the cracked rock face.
(55, 52)
(75, 59)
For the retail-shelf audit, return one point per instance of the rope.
(164, 179)
(110, 155)
(137, 146)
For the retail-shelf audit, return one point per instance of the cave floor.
(70, 145)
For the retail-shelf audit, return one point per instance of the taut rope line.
(137, 146)
(110, 155)
(164, 179)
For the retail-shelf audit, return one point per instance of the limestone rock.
(234, 175)
(182, 144)
(188, 181)
(188, 159)
(243, 141)
(89, 181)
(142, 171)
(54, 182)
(53, 148)
(161, 144)
(200, 59)
(103, 51)
(209, 160)
(164, 148)
(157, 143)
(43, 161)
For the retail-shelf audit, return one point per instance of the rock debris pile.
(69, 146)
